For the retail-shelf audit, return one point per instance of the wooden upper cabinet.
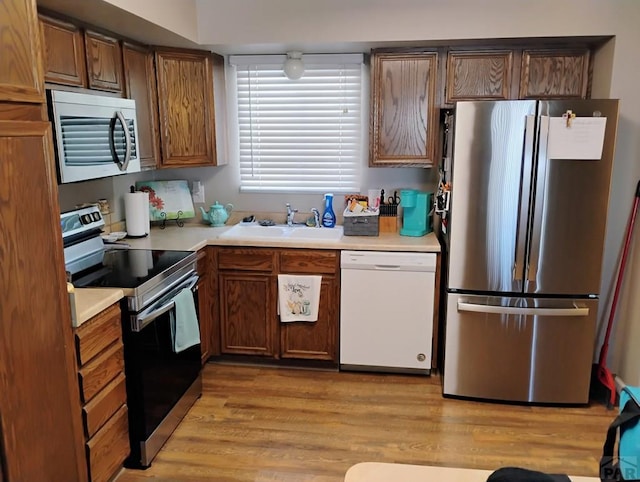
(403, 115)
(63, 47)
(478, 75)
(553, 74)
(185, 102)
(21, 78)
(140, 83)
(104, 61)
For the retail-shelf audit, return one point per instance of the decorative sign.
(168, 199)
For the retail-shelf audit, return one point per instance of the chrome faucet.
(290, 214)
(316, 217)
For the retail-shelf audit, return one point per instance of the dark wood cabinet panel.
(104, 405)
(140, 83)
(247, 312)
(478, 75)
(185, 95)
(248, 294)
(314, 340)
(63, 51)
(103, 391)
(309, 261)
(109, 447)
(104, 61)
(38, 386)
(98, 333)
(403, 114)
(553, 74)
(246, 259)
(96, 374)
(21, 78)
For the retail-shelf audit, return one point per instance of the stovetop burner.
(128, 268)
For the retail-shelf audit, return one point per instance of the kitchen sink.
(299, 233)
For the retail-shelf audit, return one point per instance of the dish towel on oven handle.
(185, 330)
(298, 297)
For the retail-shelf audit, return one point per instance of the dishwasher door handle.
(388, 267)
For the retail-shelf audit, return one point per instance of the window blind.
(299, 135)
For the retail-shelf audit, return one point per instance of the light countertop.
(384, 472)
(91, 301)
(193, 237)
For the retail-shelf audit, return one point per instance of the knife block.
(388, 224)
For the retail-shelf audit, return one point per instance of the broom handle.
(623, 262)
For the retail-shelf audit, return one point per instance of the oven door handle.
(166, 304)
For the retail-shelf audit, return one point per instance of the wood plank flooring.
(275, 424)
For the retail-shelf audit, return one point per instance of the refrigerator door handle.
(539, 206)
(514, 310)
(523, 215)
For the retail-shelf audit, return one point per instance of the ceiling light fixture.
(294, 66)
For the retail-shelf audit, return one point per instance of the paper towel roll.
(136, 212)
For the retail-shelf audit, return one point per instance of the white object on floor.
(298, 297)
(383, 472)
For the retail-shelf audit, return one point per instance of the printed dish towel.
(298, 297)
(185, 331)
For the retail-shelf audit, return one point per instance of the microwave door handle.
(127, 139)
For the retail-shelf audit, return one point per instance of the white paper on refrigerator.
(582, 139)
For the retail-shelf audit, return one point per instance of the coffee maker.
(416, 206)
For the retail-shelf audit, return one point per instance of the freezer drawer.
(519, 349)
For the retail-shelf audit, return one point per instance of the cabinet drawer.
(96, 374)
(309, 261)
(110, 446)
(104, 405)
(246, 259)
(98, 333)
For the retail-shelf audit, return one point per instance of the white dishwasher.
(386, 311)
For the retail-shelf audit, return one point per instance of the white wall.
(329, 25)
(178, 16)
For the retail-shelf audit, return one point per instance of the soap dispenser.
(328, 217)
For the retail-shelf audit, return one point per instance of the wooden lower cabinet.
(248, 293)
(100, 356)
(318, 340)
(247, 309)
(208, 304)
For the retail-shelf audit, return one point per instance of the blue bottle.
(328, 217)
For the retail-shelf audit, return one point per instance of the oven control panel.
(80, 220)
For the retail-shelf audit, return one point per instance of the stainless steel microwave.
(95, 135)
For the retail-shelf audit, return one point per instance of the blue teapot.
(218, 214)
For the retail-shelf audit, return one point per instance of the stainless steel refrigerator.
(525, 241)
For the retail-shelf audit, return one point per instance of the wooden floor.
(276, 424)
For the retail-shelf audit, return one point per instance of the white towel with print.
(298, 297)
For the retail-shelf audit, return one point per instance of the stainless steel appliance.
(95, 135)
(525, 241)
(386, 311)
(161, 384)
